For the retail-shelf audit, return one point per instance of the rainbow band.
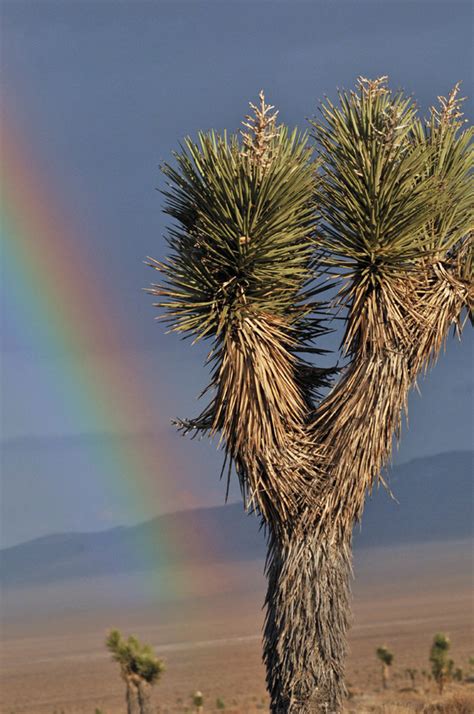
(59, 293)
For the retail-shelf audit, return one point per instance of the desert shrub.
(198, 701)
(456, 704)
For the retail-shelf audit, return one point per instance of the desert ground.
(54, 660)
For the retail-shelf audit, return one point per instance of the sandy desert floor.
(54, 661)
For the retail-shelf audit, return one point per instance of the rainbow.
(59, 294)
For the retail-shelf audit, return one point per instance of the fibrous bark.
(307, 617)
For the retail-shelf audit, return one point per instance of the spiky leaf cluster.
(449, 163)
(135, 659)
(373, 202)
(384, 655)
(243, 237)
(396, 199)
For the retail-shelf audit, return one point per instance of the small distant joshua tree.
(441, 664)
(458, 674)
(381, 212)
(386, 657)
(140, 670)
(411, 672)
(198, 701)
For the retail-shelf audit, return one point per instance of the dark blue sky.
(104, 91)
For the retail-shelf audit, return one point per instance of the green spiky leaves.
(396, 202)
(135, 659)
(393, 188)
(384, 655)
(449, 166)
(373, 207)
(243, 239)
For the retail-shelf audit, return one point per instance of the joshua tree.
(411, 672)
(385, 209)
(441, 664)
(458, 674)
(139, 667)
(386, 658)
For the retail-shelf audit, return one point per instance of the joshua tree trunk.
(306, 622)
(385, 675)
(144, 697)
(133, 706)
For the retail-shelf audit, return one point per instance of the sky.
(97, 95)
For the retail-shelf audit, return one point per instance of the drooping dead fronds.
(357, 421)
(444, 291)
(259, 412)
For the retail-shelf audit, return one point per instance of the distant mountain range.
(435, 503)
